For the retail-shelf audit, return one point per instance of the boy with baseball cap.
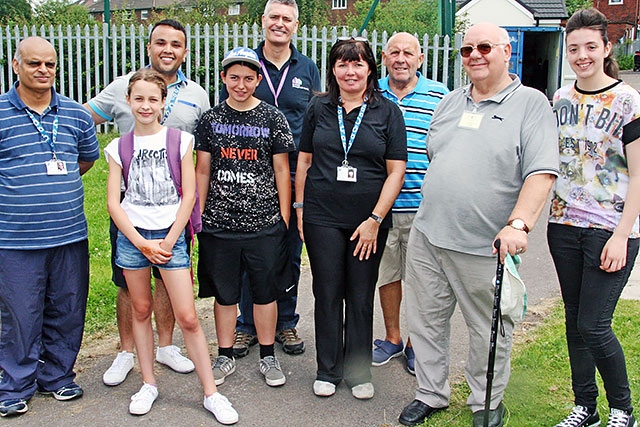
(243, 178)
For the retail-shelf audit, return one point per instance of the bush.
(625, 62)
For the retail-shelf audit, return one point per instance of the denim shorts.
(129, 257)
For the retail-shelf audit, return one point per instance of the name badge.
(56, 167)
(470, 120)
(347, 174)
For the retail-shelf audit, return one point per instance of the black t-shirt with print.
(242, 192)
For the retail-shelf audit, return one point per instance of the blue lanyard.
(171, 103)
(275, 93)
(43, 134)
(354, 131)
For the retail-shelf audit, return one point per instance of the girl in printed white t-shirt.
(151, 220)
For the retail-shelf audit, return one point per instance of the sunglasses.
(352, 39)
(483, 49)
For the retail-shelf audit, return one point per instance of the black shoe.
(495, 417)
(580, 416)
(416, 412)
(68, 392)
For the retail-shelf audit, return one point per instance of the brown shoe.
(291, 342)
(241, 343)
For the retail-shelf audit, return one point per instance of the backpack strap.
(173, 157)
(125, 151)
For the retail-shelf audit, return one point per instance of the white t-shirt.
(151, 200)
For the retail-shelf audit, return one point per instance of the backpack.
(125, 150)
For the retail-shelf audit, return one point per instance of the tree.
(15, 12)
(311, 12)
(573, 5)
(61, 12)
(412, 16)
(197, 12)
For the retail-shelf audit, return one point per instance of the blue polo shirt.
(301, 81)
(40, 211)
(417, 108)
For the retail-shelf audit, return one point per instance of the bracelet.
(298, 205)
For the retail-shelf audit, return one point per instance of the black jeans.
(343, 288)
(590, 296)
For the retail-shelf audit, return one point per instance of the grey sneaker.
(13, 407)
(222, 368)
(270, 368)
(291, 342)
(241, 343)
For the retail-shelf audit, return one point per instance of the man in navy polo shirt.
(47, 142)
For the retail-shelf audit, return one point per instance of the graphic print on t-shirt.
(150, 182)
(242, 192)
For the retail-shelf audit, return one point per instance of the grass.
(539, 392)
(101, 307)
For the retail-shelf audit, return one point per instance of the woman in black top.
(350, 170)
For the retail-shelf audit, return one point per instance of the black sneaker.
(241, 343)
(67, 392)
(580, 417)
(291, 342)
(620, 418)
(13, 407)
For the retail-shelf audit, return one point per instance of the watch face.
(517, 223)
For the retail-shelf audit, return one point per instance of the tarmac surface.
(294, 404)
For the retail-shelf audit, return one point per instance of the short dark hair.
(593, 19)
(246, 64)
(169, 23)
(352, 50)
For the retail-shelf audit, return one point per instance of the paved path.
(180, 401)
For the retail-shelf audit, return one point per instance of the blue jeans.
(590, 296)
(287, 316)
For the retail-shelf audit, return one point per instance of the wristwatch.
(376, 218)
(519, 225)
(298, 205)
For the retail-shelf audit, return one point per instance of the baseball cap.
(241, 54)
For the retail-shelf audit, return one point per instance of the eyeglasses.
(353, 39)
(483, 49)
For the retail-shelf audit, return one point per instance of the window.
(234, 9)
(338, 4)
(144, 14)
(615, 2)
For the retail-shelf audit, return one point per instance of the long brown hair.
(593, 19)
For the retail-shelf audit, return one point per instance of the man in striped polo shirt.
(417, 97)
(47, 141)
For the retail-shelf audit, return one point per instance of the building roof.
(540, 9)
(97, 6)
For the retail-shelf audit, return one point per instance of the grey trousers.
(437, 279)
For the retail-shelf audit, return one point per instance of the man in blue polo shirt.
(289, 81)
(417, 97)
(47, 142)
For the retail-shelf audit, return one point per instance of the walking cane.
(494, 335)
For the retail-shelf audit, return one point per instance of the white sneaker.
(221, 408)
(141, 401)
(119, 369)
(362, 391)
(173, 358)
(323, 388)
